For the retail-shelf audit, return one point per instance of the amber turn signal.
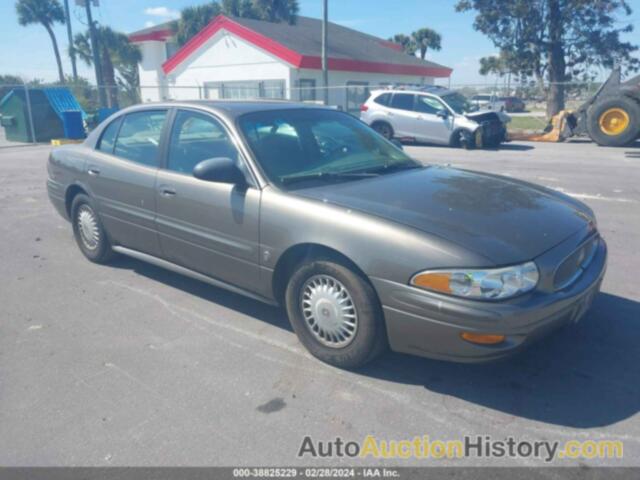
(436, 281)
(482, 338)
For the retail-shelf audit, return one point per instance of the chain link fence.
(40, 113)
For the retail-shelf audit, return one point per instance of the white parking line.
(589, 196)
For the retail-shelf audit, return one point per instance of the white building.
(242, 58)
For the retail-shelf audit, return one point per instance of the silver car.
(309, 208)
(435, 115)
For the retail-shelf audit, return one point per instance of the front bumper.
(429, 324)
(491, 134)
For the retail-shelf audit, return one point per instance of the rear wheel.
(335, 313)
(614, 122)
(384, 129)
(88, 230)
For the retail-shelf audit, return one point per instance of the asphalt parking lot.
(130, 365)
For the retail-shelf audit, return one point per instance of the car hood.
(505, 220)
(488, 116)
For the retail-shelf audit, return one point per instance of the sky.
(27, 51)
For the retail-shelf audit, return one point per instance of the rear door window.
(140, 135)
(402, 101)
(108, 139)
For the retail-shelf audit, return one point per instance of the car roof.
(230, 109)
(432, 89)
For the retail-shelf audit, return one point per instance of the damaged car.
(434, 115)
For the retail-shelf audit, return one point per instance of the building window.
(245, 89)
(357, 94)
(307, 90)
(272, 89)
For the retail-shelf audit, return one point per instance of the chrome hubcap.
(329, 311)
(88, 227)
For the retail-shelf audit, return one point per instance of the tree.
(494, 64)
(561, 40)
(193, 19)
(425, 39)
(8, 83)
(46, 13)
(276, 10)
(407, 43)
(239, 8)
(117, 54)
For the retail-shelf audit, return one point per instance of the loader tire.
(614, 122)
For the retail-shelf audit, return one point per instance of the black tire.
(628, 135)
(369, 337)
(463, 139)
(101, 252)
(384, 129)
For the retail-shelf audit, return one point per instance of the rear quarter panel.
(66, 167)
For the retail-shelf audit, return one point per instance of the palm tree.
(193, 19)
(46, 13)
(425, 39)
(239, 8)
(117, 54)
(407, 43)
(276, 10)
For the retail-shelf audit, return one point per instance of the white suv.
(433, 115)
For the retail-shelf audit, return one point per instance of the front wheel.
(88, 230)
(335, 313)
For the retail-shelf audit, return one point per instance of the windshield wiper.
(286, 180)
(393, 167)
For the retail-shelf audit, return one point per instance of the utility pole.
(96, 54)
(325, 67)
(72, 51)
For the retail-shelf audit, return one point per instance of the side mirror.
(219, 169)
(442, 113)
(397, 143)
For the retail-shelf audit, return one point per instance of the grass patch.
(527, 123)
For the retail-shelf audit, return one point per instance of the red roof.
(299, 45)
(157, 33)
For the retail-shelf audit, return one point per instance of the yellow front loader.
(610, 118)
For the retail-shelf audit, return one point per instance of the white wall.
(227, 58)
(224, 58)
(152, 80)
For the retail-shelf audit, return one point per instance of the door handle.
(94, 172)
(167, 191)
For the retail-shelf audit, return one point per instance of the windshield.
(315, 145)
(459, 103)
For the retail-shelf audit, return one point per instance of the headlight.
(491, 284)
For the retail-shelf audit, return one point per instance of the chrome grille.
(572, 267)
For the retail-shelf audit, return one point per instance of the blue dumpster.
(104, 113)
(72, 124)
